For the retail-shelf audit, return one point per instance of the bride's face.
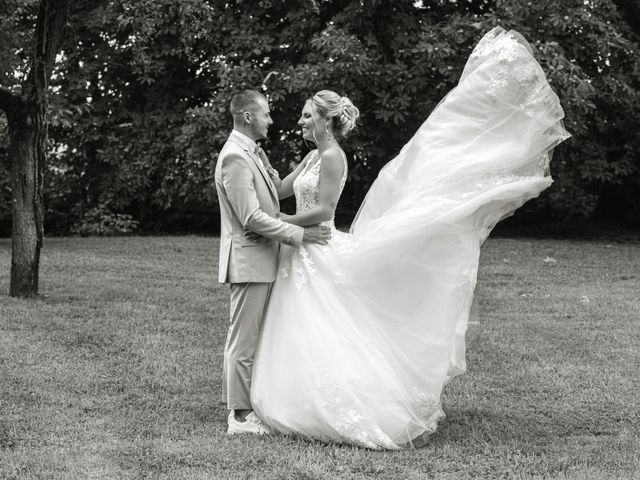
(311, 123)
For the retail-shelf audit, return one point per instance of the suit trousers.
(248, 302)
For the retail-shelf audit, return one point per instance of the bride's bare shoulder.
(332, 161)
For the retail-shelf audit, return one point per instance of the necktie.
(257, 152)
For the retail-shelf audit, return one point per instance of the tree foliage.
(139, 106)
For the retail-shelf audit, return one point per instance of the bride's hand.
(284, 217)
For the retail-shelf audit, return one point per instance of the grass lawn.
(114, 373)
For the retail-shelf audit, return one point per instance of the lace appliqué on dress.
(346, 420)
(306, 186)
(492, 182)
(298, 260)
(430, 409)
(515, 77)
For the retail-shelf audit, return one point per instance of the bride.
(361, 335)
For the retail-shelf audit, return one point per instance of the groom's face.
(261, 120)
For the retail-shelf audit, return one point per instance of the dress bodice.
(306, 186)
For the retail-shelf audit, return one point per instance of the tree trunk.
(28, 136)
(27, 148)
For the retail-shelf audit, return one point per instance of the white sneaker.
(252, 424)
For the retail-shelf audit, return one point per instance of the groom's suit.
(248, 201)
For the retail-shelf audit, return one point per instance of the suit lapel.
(264, 174)
(258, 163)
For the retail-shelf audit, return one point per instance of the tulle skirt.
(361, 335)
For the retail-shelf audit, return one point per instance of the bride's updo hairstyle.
(339, 110)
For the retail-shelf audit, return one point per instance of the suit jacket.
(248, 200)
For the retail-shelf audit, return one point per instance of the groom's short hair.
(245, 100)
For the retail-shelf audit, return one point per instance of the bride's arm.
(284, 187)
(331, 171)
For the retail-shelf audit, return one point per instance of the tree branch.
(52, 18)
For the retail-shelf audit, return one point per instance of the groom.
(249, 203)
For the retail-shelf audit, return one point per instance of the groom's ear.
(247, 117)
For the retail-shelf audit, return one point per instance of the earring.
(326, 130)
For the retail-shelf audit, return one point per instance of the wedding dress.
(361, 335)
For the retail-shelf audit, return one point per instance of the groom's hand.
(253, 236)
(317, 234)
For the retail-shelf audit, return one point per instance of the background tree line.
(138, 97)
